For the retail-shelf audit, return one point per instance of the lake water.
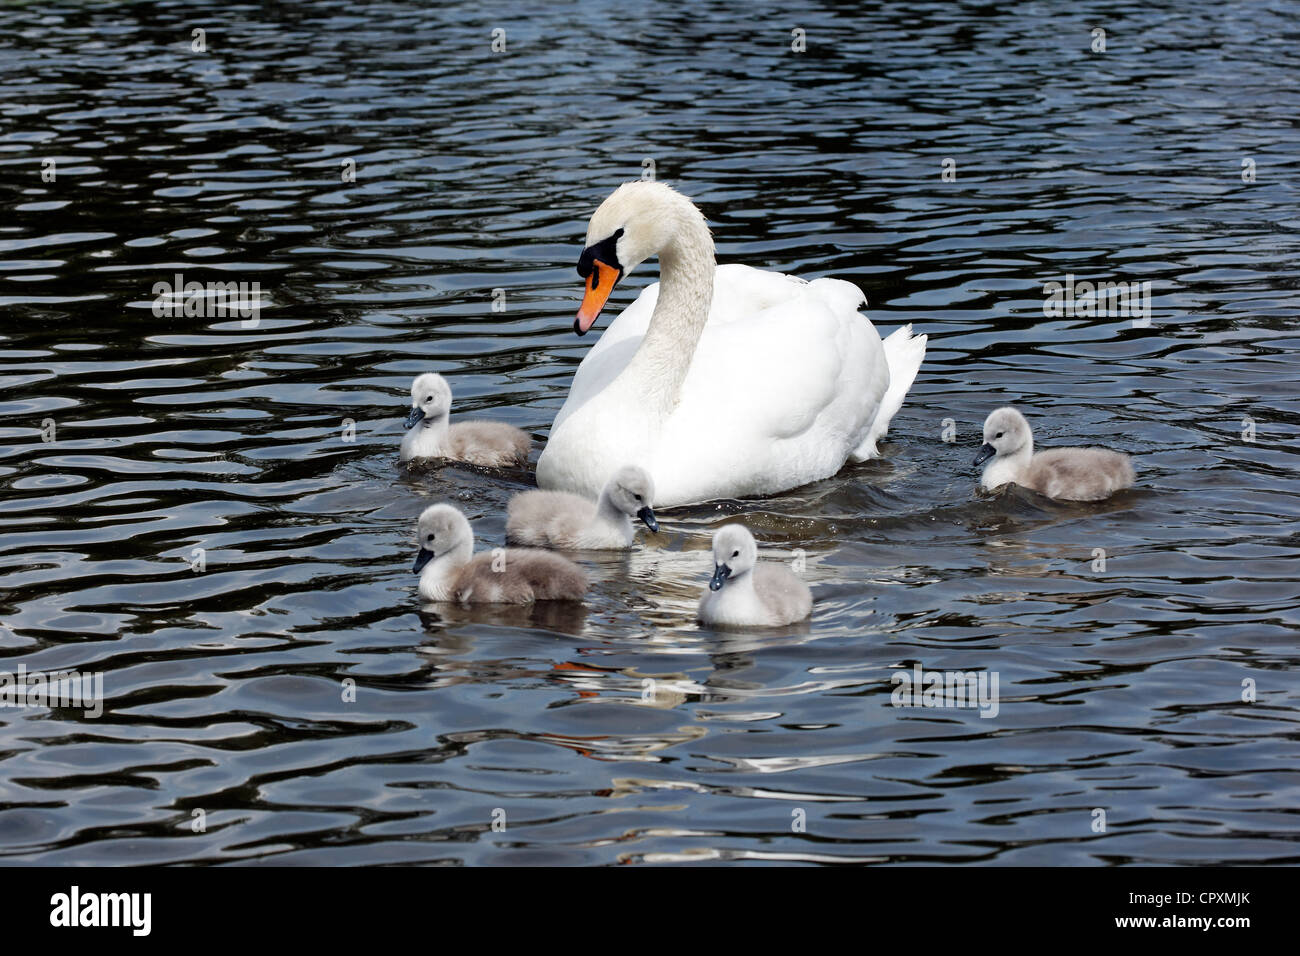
(187, 511)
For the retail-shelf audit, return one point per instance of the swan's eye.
(998, 435)
(638, 497)
(735, 554)
(430, 538)
(428, 398)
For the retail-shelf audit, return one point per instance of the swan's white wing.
(740, 294)
(631, 323)
(611, 353)
(775, 397)
(903, 353)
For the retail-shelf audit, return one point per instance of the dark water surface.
(1120, 690)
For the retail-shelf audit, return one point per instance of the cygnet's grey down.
(745, 593)
(449, 569)
(430, 433)
(559, 519)
(1069, 474)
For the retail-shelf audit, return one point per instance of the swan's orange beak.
(600, 284)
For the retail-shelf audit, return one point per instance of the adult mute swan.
(720, 381)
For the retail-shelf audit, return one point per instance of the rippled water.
(1120, 690)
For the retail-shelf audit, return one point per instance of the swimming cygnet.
(431, 435)
(450, 570)
(559, 519)
(744, 593)
(1070, 474)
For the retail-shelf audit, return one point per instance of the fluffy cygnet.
(744, 593)
(559, 519)
(449, 569)
(1070, 474)
(430, 433)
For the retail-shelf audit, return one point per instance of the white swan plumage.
(721, 381)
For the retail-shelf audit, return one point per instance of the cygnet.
(430, 433)
(560, 519)
(449, 569)
(1069, 474)
(745, 593)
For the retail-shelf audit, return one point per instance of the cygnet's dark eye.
(735, 554)
(999, 435)
(638, 497)
(430, 537)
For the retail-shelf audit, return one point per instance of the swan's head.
(632, 492)
(734, 553)
(441, 528)
(1005, 433)
(430, 398)
(632, 225)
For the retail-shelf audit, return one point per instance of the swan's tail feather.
(903, 354)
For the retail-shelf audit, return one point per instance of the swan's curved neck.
(1004, 468)
(435, 426)
(1024, 454)
(742, 583)
(442, 570)
(609, 520)
(608, 515)
(686, 266)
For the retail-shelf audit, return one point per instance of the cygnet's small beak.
(421, 559)
(600, 283)
(647, 515)
(720, 574)
(987, 451)
(416, 415)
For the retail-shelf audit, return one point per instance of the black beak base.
(720, 574)
(606, 251)
(421, 559)
(987, 451)
(648, 517)
(414, 418)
